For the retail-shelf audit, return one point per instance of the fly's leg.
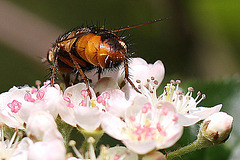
(80, 71)
(53, 71)
(99, 72)
(127, 76)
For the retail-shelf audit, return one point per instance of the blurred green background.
(199, 44)
(201, 40)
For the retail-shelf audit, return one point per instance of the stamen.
(19, 135)
(148, 105)
(83, 103)
(159, 106)
(46, 83)
(178, 81)
(28, 97)
(190, 89)
(72, 144)
(106, 95)
(179, 92)
(104, 103)
(155, 82)
(70, 105)
(99, 99)
(38, 83)
(132, 118)
(139, 86)
(198, 94)
(67, 99)
(172, 82)
(15, 106)
(144, 109)
(138, 81)
(2, 133)
(84, 93)
(69, 94)
(203, 97)
(12, 140)
(34, 90)
(147, 85)
(91, 142)
(40, 95)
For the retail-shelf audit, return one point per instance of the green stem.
(200, 143)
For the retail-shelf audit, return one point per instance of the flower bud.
(217, 127)
(38, 124)
(154, 156)
(51, 150)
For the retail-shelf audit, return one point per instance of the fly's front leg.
(53, 71)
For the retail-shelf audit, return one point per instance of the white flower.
(185, 104)
(141, 74)
(79, 107)
(51, 147)
(19, 103)
(46, 98)
(145, 127)
(11, 102)
(14, 149)
(217, 127)
(140, 70)
(21, 152)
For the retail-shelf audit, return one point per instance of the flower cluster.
(144, 122)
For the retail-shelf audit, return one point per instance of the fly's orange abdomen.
(81, 44)
(91, 50)
(101, 50)
(103, 54)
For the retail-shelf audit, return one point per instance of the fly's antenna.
(139, 25)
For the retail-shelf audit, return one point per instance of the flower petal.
(105, 83)
(118, 103)
(87, 118)
(140, 147)
(204, 112)
(112, 125)
(187, 120)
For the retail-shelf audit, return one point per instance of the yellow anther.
(93, 102)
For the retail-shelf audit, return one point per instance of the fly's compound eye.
(51, 55)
